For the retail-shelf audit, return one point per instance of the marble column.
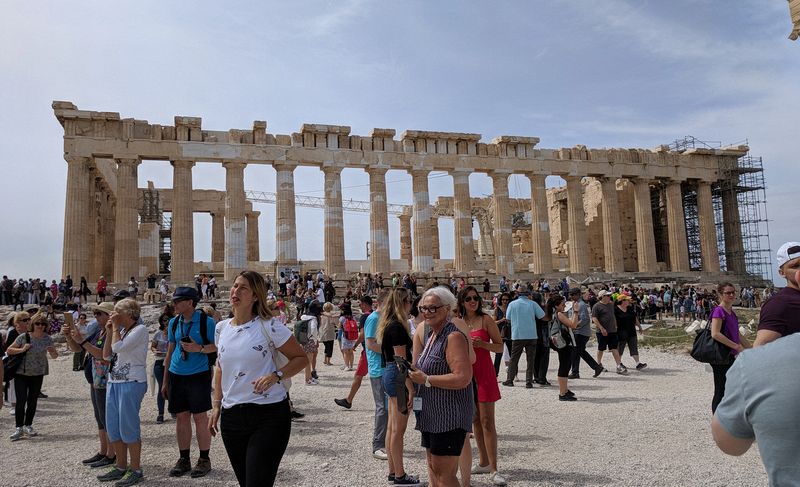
(182, 235)
(708, 230)
(542, 261)
(462, 218)
(126, 235)
(378, 221)
(612, 233)
(435, 250)
(676, 228)
(100, 257)
(732, 227)
(218, 237)
(334, 222)
(645, 238)
(405, 237)
(576, 222)
(91, 230)
(422, 242)
(75, 253)
(109, 234)
(503, 257)
(253, 252)
(235, 226)
(285, 219)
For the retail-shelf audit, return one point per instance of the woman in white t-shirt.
(249, 394)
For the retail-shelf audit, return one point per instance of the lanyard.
(185, 333)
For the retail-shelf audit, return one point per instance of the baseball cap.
(603, 293)
(788, 251)
(185, 292)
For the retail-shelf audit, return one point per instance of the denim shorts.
(123, 400)
(391, 378)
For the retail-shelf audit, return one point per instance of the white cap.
(788, 251)
(603, 293)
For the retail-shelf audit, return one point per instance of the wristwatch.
(427, 381)
(202, 349)
(279, 373)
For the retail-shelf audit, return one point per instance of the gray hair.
(444, 294)
(130, 307)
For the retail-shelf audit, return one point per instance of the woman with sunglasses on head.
(725, 330)
(36, 345)
(562, 340)
(159, 345)
(485, 338)
(504, 326)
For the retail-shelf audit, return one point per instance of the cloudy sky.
(611, 73)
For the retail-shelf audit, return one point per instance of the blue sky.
(604, 74)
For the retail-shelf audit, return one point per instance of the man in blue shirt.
(187, 380)
(523, 313)
(375, 369)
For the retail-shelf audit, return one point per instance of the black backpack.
(212, 357)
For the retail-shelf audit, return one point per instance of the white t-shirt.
(244, 355)
(131, 356)
(313, 326)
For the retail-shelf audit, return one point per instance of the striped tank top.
(442, 409)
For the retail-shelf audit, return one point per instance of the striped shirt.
(442, 409)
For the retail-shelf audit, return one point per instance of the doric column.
(435, 251)
(75, 255)
(378, 221)
(100, 257)
(732, 226)
(109, 234)
(612, 233)
(462, 218)
(217, 237)
(645, 239)
(126, 238)
(182, 236)
(422, 241)
(540, 226)
(334, 222)
(285, 229)
(235, 226)
(576, 222)
(405, 237)
(708, 230)
(253, 253)
(676, 228)
(503, 258)
(91, 230)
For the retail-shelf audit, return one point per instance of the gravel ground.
(650, 428)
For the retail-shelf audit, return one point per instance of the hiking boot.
(599, 370)
(574, 376)
(508, 383)
(182, 467)
(29, 431)
(112, 475)
(92, 459)
(16, 435)
(131, 477)
(202, 468)
(103, 462)
(641, 366)
(343, 403)
(621, 370)
(566, 397)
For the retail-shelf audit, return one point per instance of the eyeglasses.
(430, 309)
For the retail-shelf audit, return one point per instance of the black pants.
(328, 348)
(564, 360)
(517, 347)
(542, 361)
(498, 357)
(27, 388)
(255, 438)
(720, 372)
(579, 352)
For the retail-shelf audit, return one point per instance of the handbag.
(709, 351)
(280, 360)
(12, 362)
(556, 337)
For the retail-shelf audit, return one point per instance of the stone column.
(217, 237)
(405, 237)
(612, 233)
(126, 235)
(422, 241)
(676, 228)
(708, 230)
(109, 234)
(235, 231)
(576, 221)
(334, 222)
(91, 230)
(182, 237)
(503, 257)
(645, 239)
(253, 252)
(285, 220)
(378, 221)
(435, 251)
(75, 255)
(102, 237)
(540, 226)
(732, 226)
(462, 218)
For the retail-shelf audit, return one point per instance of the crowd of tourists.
(428, 353)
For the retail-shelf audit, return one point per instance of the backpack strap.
(203, 328)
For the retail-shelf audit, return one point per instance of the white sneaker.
(497, 479)
(30, 431)
(476, 469)
(312, 382)
(380, 454)
(17, 434)
(621, 370)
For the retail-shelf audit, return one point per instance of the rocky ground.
(650, 428)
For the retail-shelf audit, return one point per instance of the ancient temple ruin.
(621, 211)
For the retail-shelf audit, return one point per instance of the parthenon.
(603, 219)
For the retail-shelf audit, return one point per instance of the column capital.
(284, 165)
(234, 164)
(460, 171)
(499, 175)
(73, 159)
(377, 171)
(419, 172)
(535, 177)
(124, 161)
(253, 214)
(182, 163)
(572, 178)
(334, 170)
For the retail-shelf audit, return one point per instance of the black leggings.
(328, 348)
(27, 388)
(564, 361)
(720, 372)
(255, 438)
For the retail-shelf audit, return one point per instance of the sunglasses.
(470, 299)
(430, 309)
(26, 320)
(40, 324)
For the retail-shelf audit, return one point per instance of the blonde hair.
(18, 315)
(259, 287)
(393, 310)
(327, 307)
(130, 307)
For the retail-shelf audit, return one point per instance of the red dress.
(483, 370)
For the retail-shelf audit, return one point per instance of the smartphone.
(68, 319)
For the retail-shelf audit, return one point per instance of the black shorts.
(189, 393)
(610, 341)
(450, 443)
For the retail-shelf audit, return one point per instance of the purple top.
(730, 325)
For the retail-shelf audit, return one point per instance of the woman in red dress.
(485, 338)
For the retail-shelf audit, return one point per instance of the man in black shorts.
(187, 380)
(607, 338)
